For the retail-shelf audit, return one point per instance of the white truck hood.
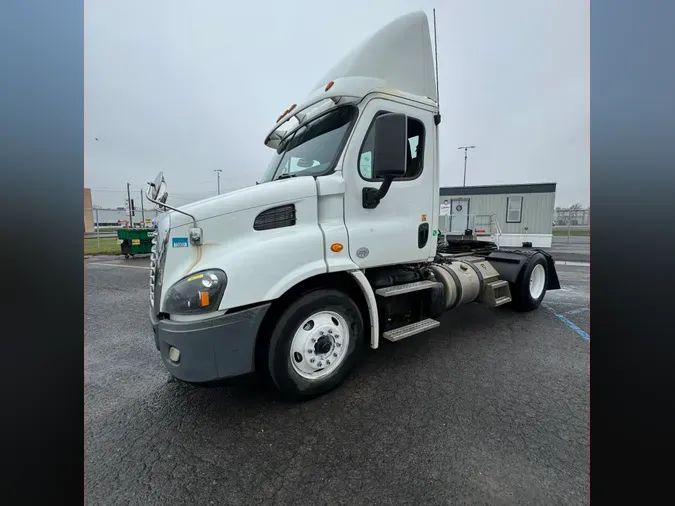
(261, 195)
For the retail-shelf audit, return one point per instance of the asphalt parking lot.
(490, 408)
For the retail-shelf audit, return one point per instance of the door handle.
(422, 235)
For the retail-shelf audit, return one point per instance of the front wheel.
(530, 289)
(315, 344)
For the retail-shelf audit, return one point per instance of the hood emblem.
(362, 252)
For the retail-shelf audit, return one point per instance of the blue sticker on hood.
(179, 242)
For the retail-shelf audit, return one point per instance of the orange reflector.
(480, 230)
(336, 248)
(279, 118)
(204, 298)
(292, 107)
(329, 85)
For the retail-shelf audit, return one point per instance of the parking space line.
(571, 325)
(576, 311)
(117, 265)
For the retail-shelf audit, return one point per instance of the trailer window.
(514, 209)
(415, 151)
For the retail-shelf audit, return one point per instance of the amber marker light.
(204, 298)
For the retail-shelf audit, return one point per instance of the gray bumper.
(213, 349)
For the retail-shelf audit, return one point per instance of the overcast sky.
(189, 87)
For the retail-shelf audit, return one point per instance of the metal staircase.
(480, 225)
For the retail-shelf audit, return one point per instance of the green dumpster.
(134, 241)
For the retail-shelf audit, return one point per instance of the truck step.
(497, 293)
(410, 330)
(502, 300)
(391, 291)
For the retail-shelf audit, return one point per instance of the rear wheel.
(530, 289)
(315, 344)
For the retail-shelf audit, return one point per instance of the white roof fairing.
(397, 58)
(400, 54)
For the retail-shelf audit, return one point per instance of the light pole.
(466, 150)
(131, 211)
(218, 171)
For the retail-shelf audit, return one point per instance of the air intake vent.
(277, 217)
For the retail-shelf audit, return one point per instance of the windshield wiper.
(284, 176)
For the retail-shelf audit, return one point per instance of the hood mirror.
(155, 186)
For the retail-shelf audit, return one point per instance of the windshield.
(313, 149)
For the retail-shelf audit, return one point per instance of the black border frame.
(631, 155)
(41, 163)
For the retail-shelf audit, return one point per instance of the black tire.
(284, 376)
(520, 291)
(126, 255)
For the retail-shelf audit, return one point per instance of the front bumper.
(214, 349)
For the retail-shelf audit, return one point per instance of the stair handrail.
(493, 217)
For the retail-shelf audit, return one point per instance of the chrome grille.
(153, 267)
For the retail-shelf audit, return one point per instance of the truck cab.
(336, 245)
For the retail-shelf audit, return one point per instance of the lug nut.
(309, 351)
(338, 344)
(337, 336)
(311, 360)
(335, 354)
(321, 332)
(330, 331)
(313, 340)
(320, 364)
(328, 362)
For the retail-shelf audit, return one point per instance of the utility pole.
(131, 219)
(218, 171)
(466, 150)
(142, 209)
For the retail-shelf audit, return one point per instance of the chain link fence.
(572, 216)
(101, 225)
(571, 222)
(102, 218)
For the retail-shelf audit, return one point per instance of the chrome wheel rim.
(319, 345)
(537, 281)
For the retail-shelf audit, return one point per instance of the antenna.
(438, 93)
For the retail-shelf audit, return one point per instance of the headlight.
(197, 293)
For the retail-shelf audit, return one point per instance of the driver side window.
(415, 161)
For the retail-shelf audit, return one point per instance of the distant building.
(505, 214)
(88, 212)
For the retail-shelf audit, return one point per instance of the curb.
(570, 257)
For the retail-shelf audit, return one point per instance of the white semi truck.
(336, 247)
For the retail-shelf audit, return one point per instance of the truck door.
(400, 229)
